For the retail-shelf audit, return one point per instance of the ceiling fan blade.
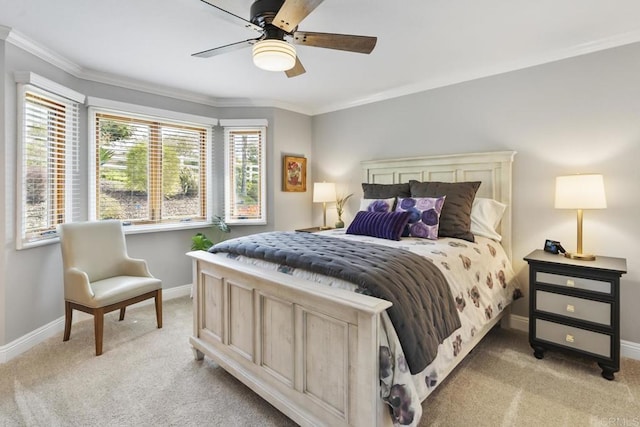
(296, 70)
(233, 18)
(225, 49)
(293, 12)
(348, 42)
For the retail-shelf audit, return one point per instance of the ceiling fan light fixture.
(274, 55)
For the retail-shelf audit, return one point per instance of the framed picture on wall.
(294, 171)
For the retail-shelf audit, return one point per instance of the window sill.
(155, 228)
(128, 229)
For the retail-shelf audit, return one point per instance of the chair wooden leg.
(98, 323)
(158, 300)
(122, 310)
(68, 314)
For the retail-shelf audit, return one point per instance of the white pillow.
(377, 205)
(485, 217)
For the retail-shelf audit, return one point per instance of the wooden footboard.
(311, 351)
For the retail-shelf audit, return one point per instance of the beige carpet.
(501, 383)
(148, 377)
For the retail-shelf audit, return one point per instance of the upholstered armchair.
(99, 276)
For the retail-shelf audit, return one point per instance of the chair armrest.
(135, 267)
(76, 286)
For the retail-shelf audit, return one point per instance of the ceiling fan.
(277, 23)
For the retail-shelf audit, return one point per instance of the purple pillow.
(378, 205)
(384, 225)
(424, 218)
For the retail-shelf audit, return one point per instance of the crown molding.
(23, 42)
(261, 102)
(500, 68)
(4, 32)
(142, 86)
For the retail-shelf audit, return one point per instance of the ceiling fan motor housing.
(263, 12)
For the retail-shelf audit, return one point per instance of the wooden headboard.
(493, 169)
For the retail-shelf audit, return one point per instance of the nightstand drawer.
(576, 308)
(568, 336)
(573, 282)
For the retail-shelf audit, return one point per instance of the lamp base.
(582, 257)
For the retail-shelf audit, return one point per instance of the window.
(245, 174)
(149, 170)
(47, 158)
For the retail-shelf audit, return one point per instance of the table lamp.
(324, 192)
(580, 192)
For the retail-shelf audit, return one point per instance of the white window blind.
(149, 170)
(48, 169)
(245, 177)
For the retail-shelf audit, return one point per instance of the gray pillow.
(385, 191)
(455, 218)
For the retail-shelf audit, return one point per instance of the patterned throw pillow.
(377, 205)
(424, 216)
(384, 225)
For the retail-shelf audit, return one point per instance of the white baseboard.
(15, 348)
(627, 348)
(519, 323)
(25, 342)
(630, 349)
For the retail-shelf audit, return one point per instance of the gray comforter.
(423, 311)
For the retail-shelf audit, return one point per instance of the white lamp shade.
(580, 192)
(274, 55)
(324, 192)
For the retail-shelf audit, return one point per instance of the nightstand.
(575, 305)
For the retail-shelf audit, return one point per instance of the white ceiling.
(422, 44)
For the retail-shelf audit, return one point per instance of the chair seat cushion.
(119, 288)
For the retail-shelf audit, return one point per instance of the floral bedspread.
(482, 283)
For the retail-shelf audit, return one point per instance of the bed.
(314, 351)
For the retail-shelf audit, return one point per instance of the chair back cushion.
(96, 247)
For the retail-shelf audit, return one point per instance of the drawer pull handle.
(570, 283)
(569, 338)
(571, 308)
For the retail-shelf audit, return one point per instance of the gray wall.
(577, 115)
(574, 116)
(31, 290)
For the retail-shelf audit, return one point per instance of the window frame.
(143, 113)
(67, 194)
(259, 125)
